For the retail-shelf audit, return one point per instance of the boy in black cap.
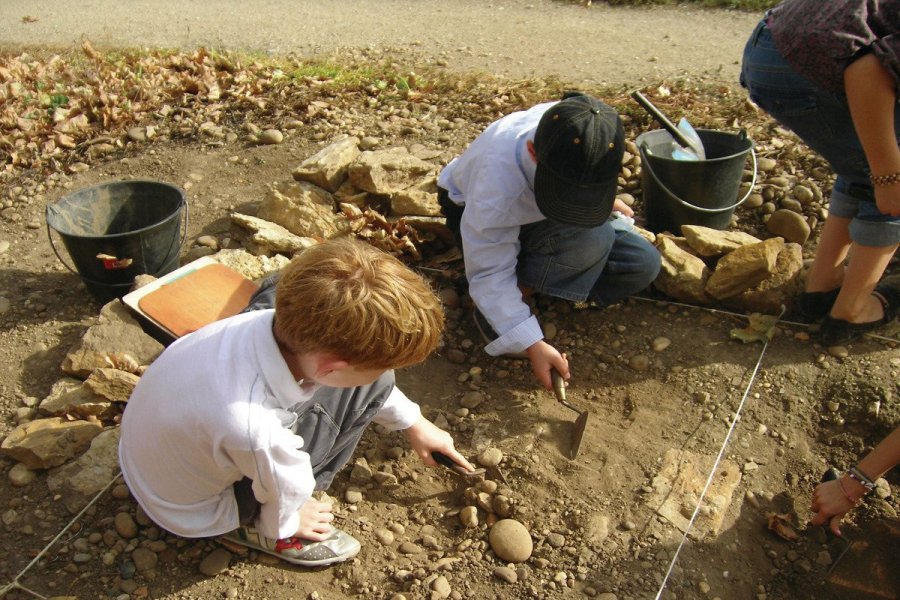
(530, 200)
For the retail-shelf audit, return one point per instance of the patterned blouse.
(820, 38)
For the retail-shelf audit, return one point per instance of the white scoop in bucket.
(686, 143)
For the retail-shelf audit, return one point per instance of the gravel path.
(514, 38)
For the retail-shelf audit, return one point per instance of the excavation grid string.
(712, 472)
(15, 582)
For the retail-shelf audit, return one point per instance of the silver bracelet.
(861, 478)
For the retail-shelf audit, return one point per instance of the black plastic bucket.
(702, 192)
(118, 230)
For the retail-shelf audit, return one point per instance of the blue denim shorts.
(821, 118)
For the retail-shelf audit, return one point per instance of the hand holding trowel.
(559, 388)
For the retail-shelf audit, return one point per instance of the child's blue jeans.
(605, 264)
(822, 119)
(331, 424)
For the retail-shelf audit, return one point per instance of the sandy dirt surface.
(514, 38)
(661, 380)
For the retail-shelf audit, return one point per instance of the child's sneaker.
(340, 546)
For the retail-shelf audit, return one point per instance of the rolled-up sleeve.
(398, 411)
(282, 480)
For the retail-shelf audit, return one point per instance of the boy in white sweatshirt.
(234, 426)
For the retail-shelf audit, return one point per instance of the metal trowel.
(559, 388)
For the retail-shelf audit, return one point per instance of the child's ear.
(531, 151)
(329, 364)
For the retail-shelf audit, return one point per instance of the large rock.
(70, 396)
(251, 267)
(47, 443)
(419, 200)
(679, 483)
(80, 480)
(113, 384)
(744, 268)
(328, 167)
(714, 242)
(117, 340)
(303, 209)
(682, 275)
(777, 290)
(388, 171)
(270, 238)
(789, 225)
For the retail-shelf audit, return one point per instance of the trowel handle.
(559, 385)
(663, 119)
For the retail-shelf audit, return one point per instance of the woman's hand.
(831, 503)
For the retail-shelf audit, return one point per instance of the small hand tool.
(444, 460)
(559, 388)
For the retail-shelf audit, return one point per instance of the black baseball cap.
(579, 144)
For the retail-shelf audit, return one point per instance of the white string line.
(744, 316)
(15, 582)
(734, 421)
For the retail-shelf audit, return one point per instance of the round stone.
(490, 457)
(271, 136)
(125, 525)
(510, 541)
(789, 225)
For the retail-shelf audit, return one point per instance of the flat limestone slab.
(679, 483)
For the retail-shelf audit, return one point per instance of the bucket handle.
(184, 205)
(700, 208)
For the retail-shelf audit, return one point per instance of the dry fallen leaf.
(760, 328)
(781, 525)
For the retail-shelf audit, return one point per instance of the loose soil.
(594, 519)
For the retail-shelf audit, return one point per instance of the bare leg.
(827, 270)
(855, 303)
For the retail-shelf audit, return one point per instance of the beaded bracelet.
(852, 501)
(883, 180)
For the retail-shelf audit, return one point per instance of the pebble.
(882, 488)
(410, 548)
(838, 351)
(385, 536)
(441, 587)
(556, 540)
(208, 241)
(4, 246)
(125, 525)
(510, 541)
(506, 574)
(144, 559)
(271, 136)
(639, 362)
(20, 475)
(490, 457)
(368, 143)
(471, 400)
(353, 496)
(468, 516)
(661, 343)
(215, 562)
(789, 225)
(121, 492)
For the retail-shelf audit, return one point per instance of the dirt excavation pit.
(661, 378)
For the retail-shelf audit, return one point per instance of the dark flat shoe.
(815, 306)
(837, 332)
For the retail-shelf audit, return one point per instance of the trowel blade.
(578, 434)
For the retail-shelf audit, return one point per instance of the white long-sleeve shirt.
(494, 179)
(207, 413)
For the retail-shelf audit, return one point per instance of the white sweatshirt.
(206, 414)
